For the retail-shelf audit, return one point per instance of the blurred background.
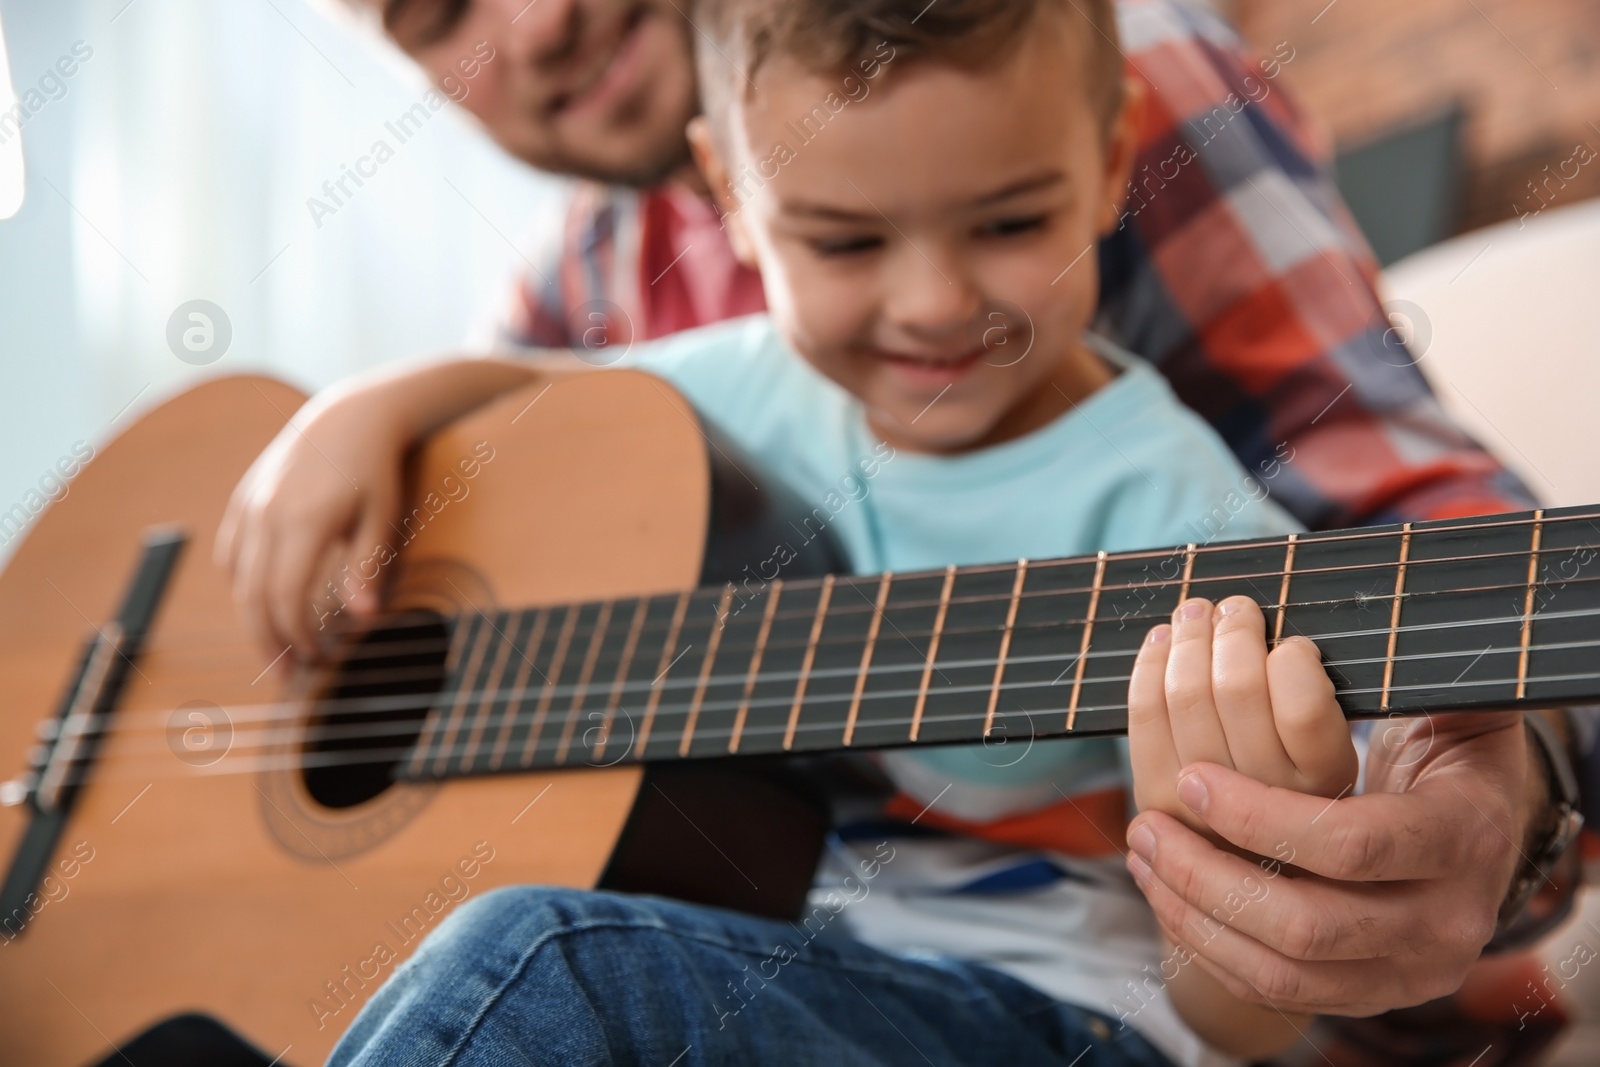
(175, 164)
(177, 161)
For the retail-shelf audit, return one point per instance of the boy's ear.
(1122, 147)
(714, 169)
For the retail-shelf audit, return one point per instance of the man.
(1235, 271)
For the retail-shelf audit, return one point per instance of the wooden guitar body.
(615, 699)
(181, 885)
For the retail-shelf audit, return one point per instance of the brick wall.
(1528, 72)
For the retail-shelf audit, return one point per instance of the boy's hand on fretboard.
(1206, 688)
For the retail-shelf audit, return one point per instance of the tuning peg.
(16, 790)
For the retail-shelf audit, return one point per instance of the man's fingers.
(1258, 973)
(1196, 729)
(1300, 918)
(1434, 831)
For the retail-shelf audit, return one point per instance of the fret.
(643, 678)
(724, 689)
(460, 631)
(1134, 594)
(1343, 588)
(1460, 631)
(552, 679)
(1188, 573)
(1566, 608)
(630, 645)
(712, 642)
(1248, 569)
(527, 650)
(766, 722)
(1394, 614)
(835, 668)
(678, 687)
(1283, 590)
(466, 693)
(669, 656)
(933, 649)
(1083, 648)
(963, 679)
(1005, 646)
(601, 625)
(1527, 605)
(866, 656)
(489, 693)
(810, 657)
(773, 593)
(902, 617)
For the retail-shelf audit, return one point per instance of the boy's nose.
(931, 298)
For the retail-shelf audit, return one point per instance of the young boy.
(924, 261)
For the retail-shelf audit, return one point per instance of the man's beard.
(663, 164)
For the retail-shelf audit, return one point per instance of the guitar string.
(1302, 542)
(300, 760)
(1306, 571)
(420, 646)
(716, 706)
(606, 668)
(386, 650)
(313, 732)
(379, 704)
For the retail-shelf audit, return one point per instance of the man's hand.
(1392, 894)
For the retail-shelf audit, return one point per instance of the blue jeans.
(535, 976)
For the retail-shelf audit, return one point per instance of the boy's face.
(931, 247)
(595, 88)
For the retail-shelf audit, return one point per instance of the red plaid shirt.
(1236, 271)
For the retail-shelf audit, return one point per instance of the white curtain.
(176, 164)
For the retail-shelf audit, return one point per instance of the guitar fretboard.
(1466, 614)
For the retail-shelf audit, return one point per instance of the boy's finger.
(370, 553)
(1309, 719)
(225, 543)
(249, 590)
(289, 604)
(1190, 706)
(1239, 686)
(1150, 746)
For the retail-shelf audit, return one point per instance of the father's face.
(594, 88)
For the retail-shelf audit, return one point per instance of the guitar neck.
(1468, 614)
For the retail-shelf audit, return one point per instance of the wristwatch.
(1561, 824)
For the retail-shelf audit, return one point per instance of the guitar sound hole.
(371, 715)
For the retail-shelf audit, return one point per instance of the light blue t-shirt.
(1129, 468)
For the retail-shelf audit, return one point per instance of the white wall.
(1508, 339)
(177, 164)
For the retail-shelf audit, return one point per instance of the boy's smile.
(915, 244)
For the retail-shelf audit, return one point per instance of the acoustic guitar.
(606, 658)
